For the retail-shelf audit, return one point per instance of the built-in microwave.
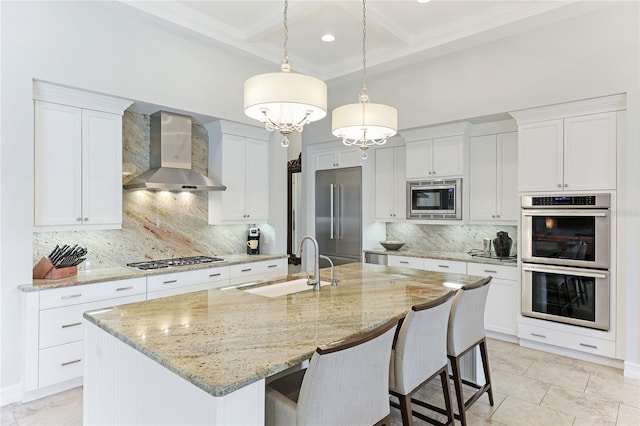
(434, 199)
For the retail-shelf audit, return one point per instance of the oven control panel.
(567, 201)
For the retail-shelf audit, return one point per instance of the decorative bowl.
(391, 245)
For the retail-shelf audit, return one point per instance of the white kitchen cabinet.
(53, 330)
(257, 271)
(441, 265)
(391, 184)
(186, 282)
(241, 164)
(338, 159)
(435, 158)
(493, 190)
(570, 153)
(405, 261)
(530, 330)
(77, 163)
(503, 301)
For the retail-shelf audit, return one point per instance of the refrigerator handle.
(331, 214)
(339, 215)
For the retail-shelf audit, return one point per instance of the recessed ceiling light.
(328, 38)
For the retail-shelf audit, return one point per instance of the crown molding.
(571, 109)
(441, 131)
(54, 93)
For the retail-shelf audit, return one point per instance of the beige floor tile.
(509, 362)
(67, 415)
(579, 404)
(628, 416)
(591, 422)
(521, 387)
(7, 415)
(533, 354)
(515, 412)
(613, 388)
(58, 400)
(495, 345)
(551, 372)
(482, 408)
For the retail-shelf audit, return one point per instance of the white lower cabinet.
(186, 282)
(257, 271)
(568, 340)
(406, 261)
(503, 301)
(449, 266)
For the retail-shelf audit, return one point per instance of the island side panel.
(125, 387)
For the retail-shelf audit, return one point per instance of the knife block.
(44, 269)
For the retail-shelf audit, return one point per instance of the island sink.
(281, 289)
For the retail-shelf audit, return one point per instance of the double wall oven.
(565, 254)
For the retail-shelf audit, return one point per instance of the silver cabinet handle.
(124, 288)
(404, 261)
(86, 219)
(539, 335)
(566, 185)
(246, 270)
(488, 271)
(78, 219)
(75, 324)
(443, 266)
(214, 275)
(71, 296)
(588, 346)
(559, 185)
(272, 266)
(75, 361)
(169, 282)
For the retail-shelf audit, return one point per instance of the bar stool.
(419, 355)
(466, 331)
(346, 383)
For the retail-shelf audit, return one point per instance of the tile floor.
(531, 388)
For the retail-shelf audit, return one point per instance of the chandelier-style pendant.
(285, 101)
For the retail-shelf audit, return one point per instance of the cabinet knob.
(566, 185)
(498, 216)
(493, 216)
(86, 219)
(248, 215)
(78, 219)
(559, 185)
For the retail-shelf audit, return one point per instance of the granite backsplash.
(155, 225)
(448, 238)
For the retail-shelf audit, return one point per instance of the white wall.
(102, 46)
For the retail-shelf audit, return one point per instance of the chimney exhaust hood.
(170, 159)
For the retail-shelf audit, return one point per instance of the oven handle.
(572, 212)
(561, 270)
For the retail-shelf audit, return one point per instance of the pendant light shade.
(285, 101)
(364, 124)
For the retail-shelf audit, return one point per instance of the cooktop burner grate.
(179, 261)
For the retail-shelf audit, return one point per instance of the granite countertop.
(92, 276)
(445, 255)
(223, 340)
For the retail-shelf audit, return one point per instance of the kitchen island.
(205, 357)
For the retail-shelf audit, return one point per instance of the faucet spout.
(334, 279)
(315, 281)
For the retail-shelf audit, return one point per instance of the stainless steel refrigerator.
(339, 214)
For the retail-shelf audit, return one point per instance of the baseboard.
(502, 336)
(632, 370)
(10, 394)
(570, 353)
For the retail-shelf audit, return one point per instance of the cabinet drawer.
(451, 266)
(496, 271)
(256, 268)
(186, 289)
(186, 278)
(64, 325)
(76, 295)
(60, 363)
(406, 262)
(568, 340)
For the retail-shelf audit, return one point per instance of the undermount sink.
(281, 289)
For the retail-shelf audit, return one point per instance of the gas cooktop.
(179, 261)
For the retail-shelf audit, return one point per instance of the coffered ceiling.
(399, 32)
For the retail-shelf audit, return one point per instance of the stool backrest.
(421, 347)
(347, 382)
(466, 320)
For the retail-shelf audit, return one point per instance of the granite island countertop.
(93, 276)
(222, 340)
(446, 255)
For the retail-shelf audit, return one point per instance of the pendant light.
(285, 101)
(364, 124)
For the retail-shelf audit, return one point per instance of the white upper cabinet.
(241, 163)
(390, 183)
(78, 159)
(435, 152)
(569, 147)
(493, 192)
(440, 157)
(338, 159)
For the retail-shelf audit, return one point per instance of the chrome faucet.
(315, 282)
(334, 279)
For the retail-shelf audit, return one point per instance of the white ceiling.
(398, 31)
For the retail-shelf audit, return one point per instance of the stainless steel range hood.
(170, 159)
